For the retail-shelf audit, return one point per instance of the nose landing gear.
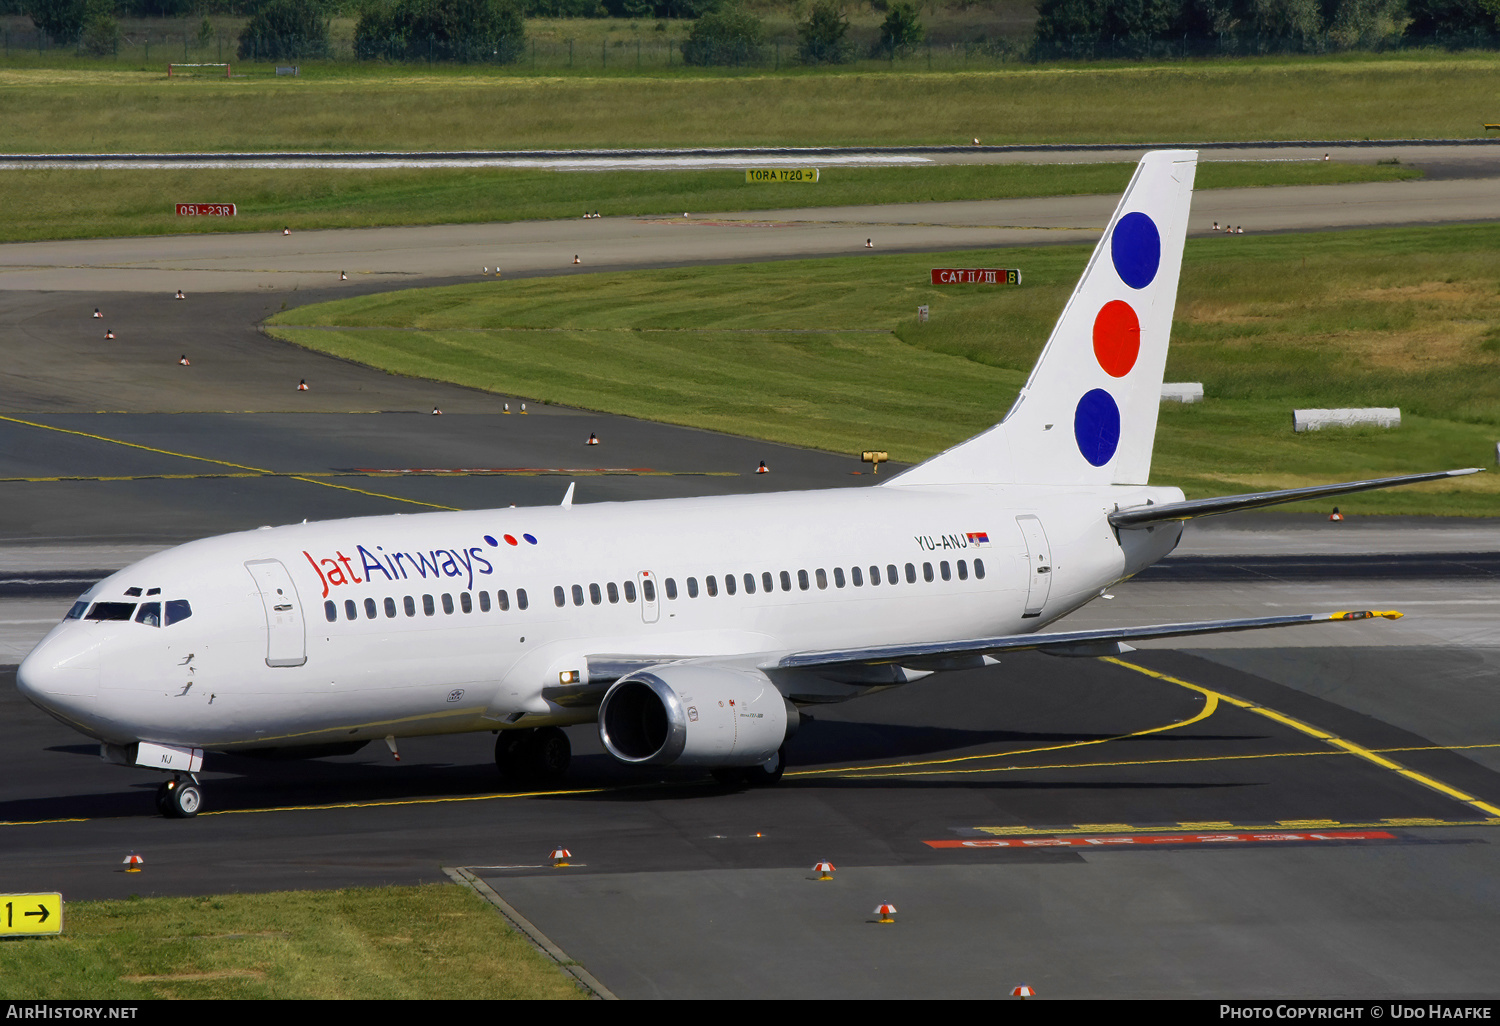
(179, 799)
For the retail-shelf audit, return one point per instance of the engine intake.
(690, 715)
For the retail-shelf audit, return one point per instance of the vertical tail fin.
(1088, 412)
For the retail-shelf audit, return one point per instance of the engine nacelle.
(690, 715)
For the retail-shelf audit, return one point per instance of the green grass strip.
(386, 943)
(66, 203)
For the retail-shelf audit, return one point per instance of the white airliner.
(690, 630)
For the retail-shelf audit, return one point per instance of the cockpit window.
(177, 610)
(76, 613)
(149, 614)
(111, 611)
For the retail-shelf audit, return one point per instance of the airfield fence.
(624, 53)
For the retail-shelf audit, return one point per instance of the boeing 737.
(692, 631)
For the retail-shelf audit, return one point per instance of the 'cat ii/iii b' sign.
(35, 914)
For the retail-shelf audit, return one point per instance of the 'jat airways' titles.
(400, 566)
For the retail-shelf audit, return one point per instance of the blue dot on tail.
(1135, 248)
(1096, 426)
(491, 542)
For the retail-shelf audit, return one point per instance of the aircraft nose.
(60, 670)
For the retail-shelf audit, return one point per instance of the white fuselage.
(408, 625)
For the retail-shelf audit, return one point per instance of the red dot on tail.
(1117, 338)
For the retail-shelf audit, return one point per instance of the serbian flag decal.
(979, 538)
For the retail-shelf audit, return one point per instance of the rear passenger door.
(286, 633)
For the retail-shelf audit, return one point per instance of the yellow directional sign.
(757, 175)
(30, 914)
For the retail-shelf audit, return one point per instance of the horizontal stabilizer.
(1061, 640)
(1144, 516)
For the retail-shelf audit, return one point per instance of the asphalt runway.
(1309, 812)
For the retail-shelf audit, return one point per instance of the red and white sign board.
(205, 210)
(976, 276)
(1143, 839)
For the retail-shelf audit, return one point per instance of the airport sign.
(976, 276)
(205, 210)
(31, 914)
(759, 175)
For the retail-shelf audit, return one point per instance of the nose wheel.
(179, 799)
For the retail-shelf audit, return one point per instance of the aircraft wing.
(1107, 641)
(1144, 516)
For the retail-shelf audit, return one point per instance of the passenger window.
(502, 599)
(979, 569)
(149, 614)
(177, 611)
(749, 584)
(351, 611)
(390, 609)
(370, 611)
(76, 613)
(648, 590)
(112, 611)
(729, 583)
(595, 595)
(427, 607)
(153, 591)
(671, 588)
(484, 602)
(946, 570)
(410, 605)
(874, 575)
(559, 596)
(520, 598)
(713, 585)
(465, 602)
(629, 591)
(911, 574)
(578, 594)
(821, 576)
(857, 577)
(802, 579)
(613, 592)
(963, 570)
(891, 577)
(767, 585)
(927, 572)
(692, 585)
(786, 581)
(838, 577)
(447, 603)
(331, 610)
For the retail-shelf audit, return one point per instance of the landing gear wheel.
(768, 772)
(533, 757)
(509, 745)
(546, 755)
(179, 800)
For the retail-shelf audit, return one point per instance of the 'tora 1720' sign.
(976, 276)
(205, 210)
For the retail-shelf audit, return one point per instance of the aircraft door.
(650, 609)
(1039, 564)
(286, 632)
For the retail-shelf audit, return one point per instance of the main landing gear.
(179, 799)
(532, 757)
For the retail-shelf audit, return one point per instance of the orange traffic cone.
(886, 913)
(286, 231)
(184, 361)
(824, 870)
(97, 313)
(1335, 515)
(108, 333)
(180, 295)
(593, 439)
(575, 258)
(436, 412)
(560, 857)
(762, 469)
(302, 385)
(133, 863)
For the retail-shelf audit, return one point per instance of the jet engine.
(690, 715)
